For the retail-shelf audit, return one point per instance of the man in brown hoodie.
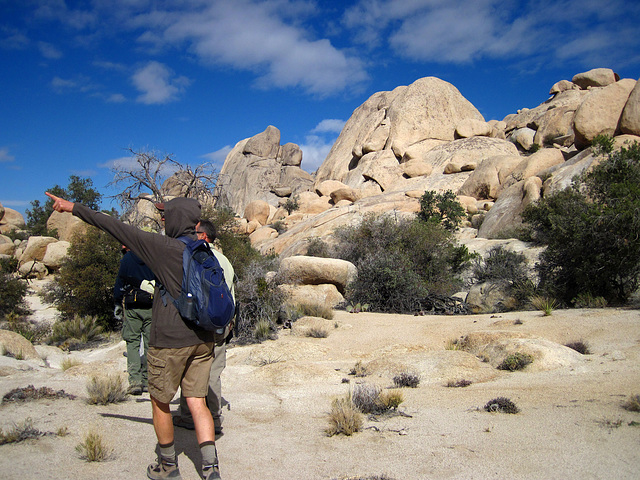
(179, 354)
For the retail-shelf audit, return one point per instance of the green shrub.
(545, 304)
(259, 301)
(501, 265)
(592, 232)
(586, 300)
(319, 248)
(501, 405)
(13, 291)
(515, 361)
(84, 284)
(400, 261)
(441, 208)
(76, 332)
(291, 204)
(8, 265)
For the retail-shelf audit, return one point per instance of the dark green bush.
(259, 301)
(500, 265)
(319, 248)
(592, 232)
(400, 261)
(84, 284)
(442, 208)
(13, 291)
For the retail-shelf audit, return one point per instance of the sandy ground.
(278, 395)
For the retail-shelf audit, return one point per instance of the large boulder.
(291, 155)
(472, 127)
(555, 124)
(532, 165)
(18, 346)
(11, 220)
(66, 225)
(36, 248)
(306, 270)
(324, 294)
(600, 111)
(1, 211)
(597, 77)
(357, 130)
(428, 108)
(380, 167)
(55, 254)
(630, 120)
(486, 179)
(255, 168)
(258, 210)
(506, 213)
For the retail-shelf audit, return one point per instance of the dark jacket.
(131, 274)
(163, 255)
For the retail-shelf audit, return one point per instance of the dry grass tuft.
(93, 448)
(501, 405)
(69, 362)
(20, 432)
(317, 331)
(344, 418)
(406, 379)
(458, 383)
(515, 361)
(106, 389)
(359, 370)
(579, 346)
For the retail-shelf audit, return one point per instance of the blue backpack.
(205, 299)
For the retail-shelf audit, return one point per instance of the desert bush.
(632, 404)
(279, 226)
(545, 304)
(359, 370)
(259, 300)
(317, 332)
(369, 398)
(406, 379)
(515, 361)
(586, 300)
(319, 248)
(316, 310)
(76, 332)
(501, 405)
(441, 208)
(400, 261)
(357, 308)
(592, 232)
(8, 264)
(344, 418)
(84, 283)
(291, 204)
(391, 399)
(25, 394)
(500, 264)
(579, 346)
(13, 293)
(94, 448)
(458, 383)
(105, 389)
(20, 432)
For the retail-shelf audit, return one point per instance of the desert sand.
(278, 394)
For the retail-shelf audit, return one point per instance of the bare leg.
(201, 418)
(162, 422)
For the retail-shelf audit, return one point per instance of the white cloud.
(219, 156)
(458, 31)
(314, 151)
(331, 125)
(5, 157)
(158, 84)
(49, 51)
(256, 36)
(116, 98)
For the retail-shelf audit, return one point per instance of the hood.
(180, 216)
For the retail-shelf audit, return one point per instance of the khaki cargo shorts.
(186, 367)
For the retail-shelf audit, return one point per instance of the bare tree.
(147, 177)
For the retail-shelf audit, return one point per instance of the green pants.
(136, 326)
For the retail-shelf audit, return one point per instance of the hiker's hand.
(60, 204)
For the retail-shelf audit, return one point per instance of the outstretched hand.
(60, 204)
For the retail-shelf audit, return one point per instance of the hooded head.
(180, 216)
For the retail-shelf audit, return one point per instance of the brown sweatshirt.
(163, 255)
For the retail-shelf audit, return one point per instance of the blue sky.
(83, 81)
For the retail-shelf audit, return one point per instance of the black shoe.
(211, 472)
(135, 390)
(178, 422)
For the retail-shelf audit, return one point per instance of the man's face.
(199, 233)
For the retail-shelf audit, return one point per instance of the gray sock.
(209, 453)
(168, 452)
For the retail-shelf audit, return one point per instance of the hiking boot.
(135, 390)
(211, 472)
(164, 469)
